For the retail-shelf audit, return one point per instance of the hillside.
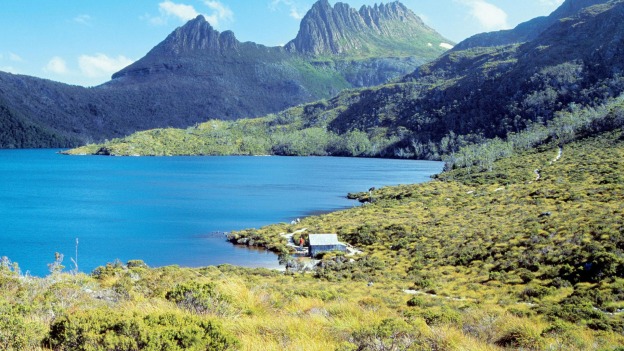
(526, 31)
(524, 252)
(463, 97)
(198, 73)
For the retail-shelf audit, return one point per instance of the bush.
(105, 329)
(198, 298)
(444, 315)
(16, 332)
(390, 334)
(521, 337)
(136, 264)
(534, 292)
(416, 302)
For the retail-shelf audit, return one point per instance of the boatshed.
(320, 243)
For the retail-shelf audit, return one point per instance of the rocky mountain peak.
(198, 34)
(341, 28)
(195, 37)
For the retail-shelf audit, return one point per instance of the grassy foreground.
(526, 254)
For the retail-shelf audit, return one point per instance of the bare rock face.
(340, 29)
(196, 37)
(198, 34)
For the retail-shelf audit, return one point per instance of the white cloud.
(293, 10)
(83, 19)
(100, 65)
(489, 16)
(56, 65)
(220, 13)
(181, 11)
(15, 57)
(217, 13)
(551, 3)
(446, 46)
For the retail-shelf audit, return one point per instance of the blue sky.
(84, 42)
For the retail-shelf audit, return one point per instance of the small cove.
(167, 210)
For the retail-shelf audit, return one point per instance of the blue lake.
(166, 210)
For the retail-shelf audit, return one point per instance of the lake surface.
(167, 210)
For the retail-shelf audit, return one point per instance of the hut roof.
(323, 239)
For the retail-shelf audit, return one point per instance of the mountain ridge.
(528, 30)
(331, 30)
(461, 98)
(197, 73)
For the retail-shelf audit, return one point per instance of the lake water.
(166, 210)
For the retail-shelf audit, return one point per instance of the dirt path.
(538, 176)
(558, 157)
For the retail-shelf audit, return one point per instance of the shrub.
(16, 332)
(105, 329)
(534, 292)
(136, 264)
(198, 298)
(389, 335)
(444, 315)
(114, 269)
(416, 302)
(521, 337)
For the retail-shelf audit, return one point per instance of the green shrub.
(390, 334)
(444, 315)
(110, 270)
(136, 264)
(16, 332)
(416, 302)
(521, 337)
(103, 330)
(198, 298)
(534, 292)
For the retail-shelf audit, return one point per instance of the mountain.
(198, 73)
(342, 30)
(529, 30)
(463, 97)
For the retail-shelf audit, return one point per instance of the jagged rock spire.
(198, 34)
(341, 28)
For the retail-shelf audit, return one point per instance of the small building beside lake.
(320, 243)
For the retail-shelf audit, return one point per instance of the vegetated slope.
(523, 252)
(526, 31)
(541, 227)
(461, 98)
(198, 73)
(16, 131)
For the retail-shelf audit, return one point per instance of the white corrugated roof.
(324, 239)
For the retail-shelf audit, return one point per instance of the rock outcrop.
(327, 30)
